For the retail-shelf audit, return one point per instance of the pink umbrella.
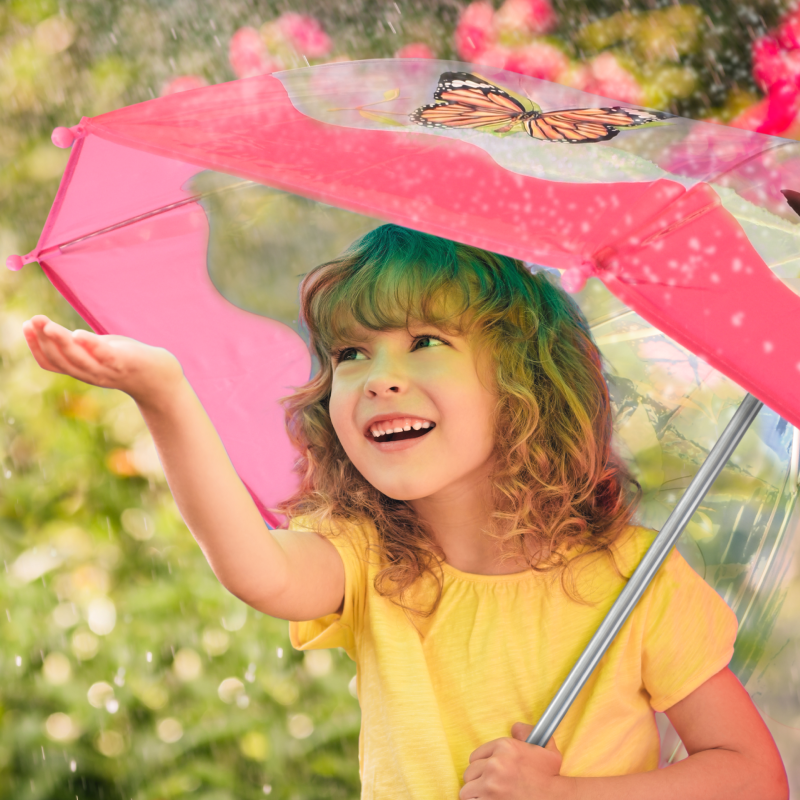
(669, 213)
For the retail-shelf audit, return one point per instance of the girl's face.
(415, 377)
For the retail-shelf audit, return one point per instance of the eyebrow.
(352, 338)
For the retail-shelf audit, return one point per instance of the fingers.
(475, 770)
(521, 731)
(32, 332)
(551, 745)
(59, 350)
(486, 750)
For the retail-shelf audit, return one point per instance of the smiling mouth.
(398, 437)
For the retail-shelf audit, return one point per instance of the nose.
(385, 377)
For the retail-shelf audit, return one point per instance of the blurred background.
(126, 670)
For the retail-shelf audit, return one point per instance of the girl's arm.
(286, 574)
(731, 757)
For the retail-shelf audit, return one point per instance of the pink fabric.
(675, 256)
(149, 280)
(251, 129)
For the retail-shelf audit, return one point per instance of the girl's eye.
(429, 339)
(346, 352)
(342, 355)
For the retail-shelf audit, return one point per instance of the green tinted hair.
(560, 492)
(393, 275)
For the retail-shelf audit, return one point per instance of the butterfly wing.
(464, 100)
(582, 125)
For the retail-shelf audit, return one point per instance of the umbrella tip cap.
(14, 263)
(64, 137)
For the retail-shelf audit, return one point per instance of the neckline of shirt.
(474, 577)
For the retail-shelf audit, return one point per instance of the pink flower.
(526, 16)
(304, 33)
(539, 60)
(249, 56)
(183, 83)
(415, 50)
(610, 79)
(752, 117)
(783, 103)
(475, 30)
(576, 75)
(788, 34)
(769, 62)
(494, 56)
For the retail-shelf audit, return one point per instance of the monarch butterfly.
(464, 100)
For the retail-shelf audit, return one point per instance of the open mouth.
(398, 437)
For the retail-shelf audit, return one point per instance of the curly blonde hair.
(557, 484)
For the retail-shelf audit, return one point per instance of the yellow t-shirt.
(495, 652)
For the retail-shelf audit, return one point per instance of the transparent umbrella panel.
(670, 408)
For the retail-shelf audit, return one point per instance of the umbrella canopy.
(685, 223)
(662, 215)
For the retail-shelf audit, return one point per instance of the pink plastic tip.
(15, 263)
(62, 137)
(574, 279)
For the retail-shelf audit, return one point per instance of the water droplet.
(169, 730)
(230, 689)
(300, 726)
(101, 616)
(100, 694)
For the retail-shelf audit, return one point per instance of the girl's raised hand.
(512, 769)
(146, 373)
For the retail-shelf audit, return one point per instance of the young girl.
(461, 528)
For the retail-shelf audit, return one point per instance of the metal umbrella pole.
(644, 573)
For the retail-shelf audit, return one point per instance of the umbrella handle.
(644, 573)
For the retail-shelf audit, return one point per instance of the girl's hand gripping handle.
(287, 574)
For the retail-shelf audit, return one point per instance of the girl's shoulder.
(336, 529)
(626, 550)
(631, 546)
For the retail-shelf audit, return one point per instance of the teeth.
(382, 429)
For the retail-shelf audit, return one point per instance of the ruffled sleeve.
(689, 633)
(338, 630)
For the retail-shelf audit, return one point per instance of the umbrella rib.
(147, 215)
(775, 547)
(613, 318)
(738, 164)
(781, 532)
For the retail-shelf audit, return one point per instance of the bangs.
(390, 279)
(394, 296)
(394, 278)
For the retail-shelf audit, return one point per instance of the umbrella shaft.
(651, 561)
